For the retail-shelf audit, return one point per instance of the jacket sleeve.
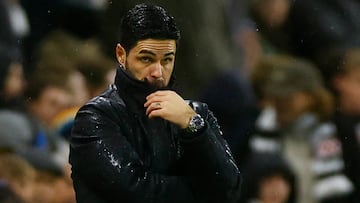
(210, 159)
(105, 163)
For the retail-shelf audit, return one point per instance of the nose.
(156, 70)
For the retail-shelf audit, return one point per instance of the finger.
(152, 100)
(152, 107)
(155, 113)
(155, 98)
(158, 93)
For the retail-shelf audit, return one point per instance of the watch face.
(196, 123)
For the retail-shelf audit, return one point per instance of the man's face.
(52, 101)
(348, 86)
(290, 107)
(274, 189)
(151, 61)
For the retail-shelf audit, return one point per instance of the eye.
(168, 60)
(146, 59)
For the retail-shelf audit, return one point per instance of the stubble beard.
(158, 83)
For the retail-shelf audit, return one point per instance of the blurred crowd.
(281, 76)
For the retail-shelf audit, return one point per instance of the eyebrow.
(152, 53)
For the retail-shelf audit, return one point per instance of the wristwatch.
(196, 123)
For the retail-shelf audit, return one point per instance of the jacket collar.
(135, 90)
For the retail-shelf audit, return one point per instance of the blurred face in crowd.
(79, 91)
(273, 12)
(348, 87)
(14, 81)
(274, 189)
(151, 61)
(51, 101)
(291, 107)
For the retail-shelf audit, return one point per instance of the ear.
(120, 54)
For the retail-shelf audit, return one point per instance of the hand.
(169, 106)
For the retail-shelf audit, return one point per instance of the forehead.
(155, 46)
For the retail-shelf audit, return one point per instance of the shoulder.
(102, 113)
(108, 100)
(108, 104)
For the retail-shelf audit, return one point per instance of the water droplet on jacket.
(216, 173)
(113, 161)
(145, 176)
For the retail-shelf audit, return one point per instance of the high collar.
(130, 88)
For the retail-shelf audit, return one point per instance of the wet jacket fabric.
(118, 154)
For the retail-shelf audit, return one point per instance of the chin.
(158, 84)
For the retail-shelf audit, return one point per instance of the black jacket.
(118, 154)
(348, 133)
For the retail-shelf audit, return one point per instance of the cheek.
(52, 104)
(349, 90)
(14, 84)
(137, 70)
(274, 190)
(168, 71)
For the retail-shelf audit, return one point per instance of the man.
(142, 142)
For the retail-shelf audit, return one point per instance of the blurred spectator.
(48, 94)
(316, 27)
(32, 185)
(19, 174)
(16, 136)
(231, 98)
(270, 17)
(257, 29)
(12, 81)
(84, 58)
(295, 121)
(7, 194)
(28, 132)
(53, 188)
(88, 70)
(343, 72)
(81, 18)
(268, 178)
(14, 26)
(262, 31)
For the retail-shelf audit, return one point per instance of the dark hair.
(146, 22)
